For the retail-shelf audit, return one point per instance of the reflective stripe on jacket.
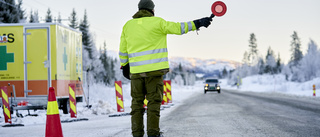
(144, 42)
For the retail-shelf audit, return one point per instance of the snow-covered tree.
(21, 12)
(59, 18)
(256, 69)
(270, 62)
(278, 65)
(224, 72)
(253, 50)
(31, 17)
(9, 12)
(108, 74)
(73, 20)
(36, 16)
(92, 57)
(261, 65)
(48, 16)
(97, 66)
(246, 59)
(86, 37)
(296, 54)
(310, 65)
(118, 73)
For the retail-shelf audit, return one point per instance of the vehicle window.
(212, 80)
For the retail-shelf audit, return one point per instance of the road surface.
(248, 114)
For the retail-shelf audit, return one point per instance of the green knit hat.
(146, 4)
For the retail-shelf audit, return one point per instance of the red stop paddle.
(218, 8)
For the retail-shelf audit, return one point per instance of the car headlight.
(206, 88)
(207, 85)
(218, 88)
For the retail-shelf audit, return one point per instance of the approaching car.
(212, 85)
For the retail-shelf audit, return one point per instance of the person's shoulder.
(128, 22)
(156, 19)
(131, 20)
(159, 18)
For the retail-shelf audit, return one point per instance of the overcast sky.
(272, 21)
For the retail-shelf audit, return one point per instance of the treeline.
(11, 12)
(300, 68)
(99, 67)
(181, 76)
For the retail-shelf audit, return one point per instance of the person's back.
(144, 59)
(146, 40)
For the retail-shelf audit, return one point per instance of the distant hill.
(207, 67)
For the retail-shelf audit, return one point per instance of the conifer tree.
(36, 16)
(49, 16)
(59, 18)
(278, 67)
(86, 37)
(9, 12)
(21, 12)
(261, 66)
(104, 60)
(73, 20)
(270, 62)
(31, 20)
(224, 72)
(296, 54)
(253, 51)
(112, 71)
(245, 59)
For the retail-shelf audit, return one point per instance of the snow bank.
(103, 101)
(276, 83)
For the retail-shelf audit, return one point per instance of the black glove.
(203, 22)
(126, 71)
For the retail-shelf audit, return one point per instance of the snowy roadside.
(277, 84)
(103, 101)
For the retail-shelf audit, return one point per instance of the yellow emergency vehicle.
(36, 56)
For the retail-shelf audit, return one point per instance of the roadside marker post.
(169, 92)
(5, 105)
(73, 104)
(314, 90)
(119, 96)
(165, 99)
(6, 108)
(73, 101)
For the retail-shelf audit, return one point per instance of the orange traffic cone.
(53, 124)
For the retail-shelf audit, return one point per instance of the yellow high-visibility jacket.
(144, 42)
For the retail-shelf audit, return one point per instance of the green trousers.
(150, 87)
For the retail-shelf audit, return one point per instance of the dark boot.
(160, 135)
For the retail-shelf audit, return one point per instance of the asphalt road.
(247, 114)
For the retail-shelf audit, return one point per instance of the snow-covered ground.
(276, 83)
(103, 99)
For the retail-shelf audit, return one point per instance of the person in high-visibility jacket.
(144, 59)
